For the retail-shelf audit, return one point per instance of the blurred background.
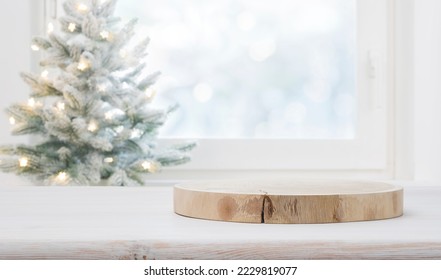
(271, 69)
(246, 69)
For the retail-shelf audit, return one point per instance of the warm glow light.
(50, 28)
(61, 177)
(45, 74)
(147, 165)
(61, 106)
(72, 27)
(102, 88)
(93, 126)
(109, 160)
(105, 34)
(136, 133)
(82, 7)
(35, 47)
(83, 64)
(12, 120)
(150, 92)
(23, 162)
(108, 116)
(31, 102)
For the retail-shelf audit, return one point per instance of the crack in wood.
(266, 199)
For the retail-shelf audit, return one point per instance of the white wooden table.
(139, 223)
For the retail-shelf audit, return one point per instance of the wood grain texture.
(139, 223)
(289, 202)
(147, 250)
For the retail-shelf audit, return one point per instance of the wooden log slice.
(289, 202)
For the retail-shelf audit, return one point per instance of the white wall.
(427, 90)
(15, 56)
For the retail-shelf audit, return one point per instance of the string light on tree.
(12, 120)
(83, 65)
(147, 165)
(150, 92)
(109, 160)
(23, 162)
(31, 102)
(50, 28)
(93, 126)
(109, 115)
(45, 74)
(102, 87)
(72, 27)
(61, 106)
(82, 7)
(136, 133)
(61, 177)
(119, 129)
(105, 34)
(35, 48)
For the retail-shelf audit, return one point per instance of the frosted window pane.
(252, 69)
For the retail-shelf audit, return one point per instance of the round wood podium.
(288, 202)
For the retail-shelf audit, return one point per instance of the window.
(280, 85)
(285, 70)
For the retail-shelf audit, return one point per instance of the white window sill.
(138, 223)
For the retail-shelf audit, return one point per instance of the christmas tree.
(90, 110)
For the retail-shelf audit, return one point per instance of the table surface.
(139, 223)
